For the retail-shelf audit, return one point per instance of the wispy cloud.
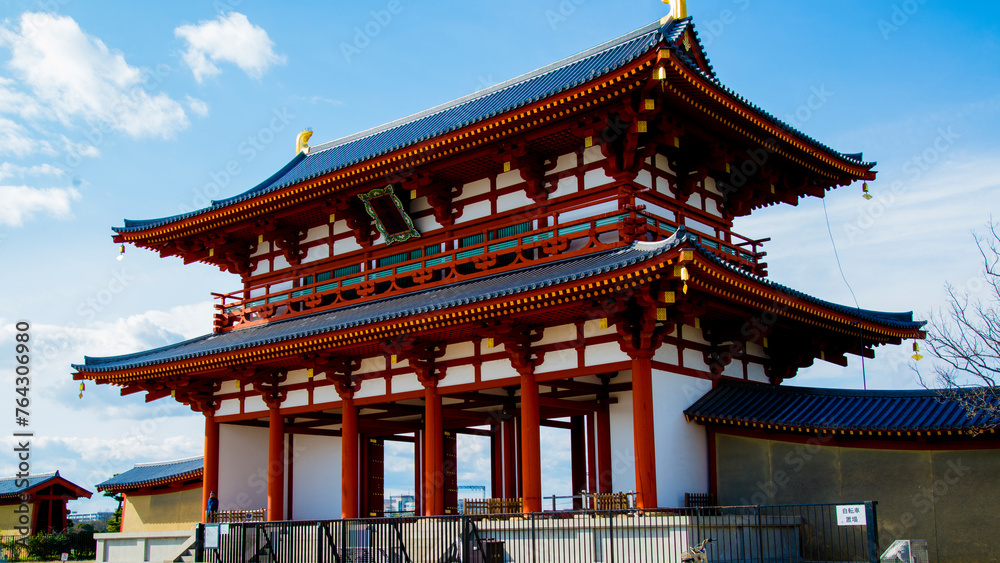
(230, 38)
(20, 203)
(74, 76)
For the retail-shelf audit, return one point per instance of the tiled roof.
(146, 474)
(9, 486)
(800, 408)
(501, 98)
(458, 294)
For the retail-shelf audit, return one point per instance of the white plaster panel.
(280, 262)
(513, 200)
(368, 365)
(712, 207)
(561, 333)
(345, 245)
(699, 226)
(694, 359)
(498, 369)
(419, 204)
(325, 394)
(622, 443)
(694, 200)
(692, 334)
(667, 353)
(371, 388)
(406, 382)
(583, 213)
(594, 178)
(755, 349)
(263, 267)
(229, 406)
(681, 446)
(262, 248)
(425, 224)
(663, 163)
(476, 210)
(243, 463)
(459, 375)
(644, 178)
(316, 233)
(755, 372)
(564, 162)
(600, 354)
(557, 360)
(592, 154)
(257, 291)
(296, 398)
(593, 328)
(507, 179)
(340, 227)
(663, 186)
(281, 286)
(316, 480)
(472, 189)
(297, 376)
(458, 351)
(254, 403)
(711, 186)
(565, 186)
(734, 369)
(317, 253)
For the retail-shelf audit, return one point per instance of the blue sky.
(139, 110)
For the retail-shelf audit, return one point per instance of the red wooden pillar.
(275, 465)
(433, 452)
(210, 482)
(349, 457)
(643, 430)
(531, 447)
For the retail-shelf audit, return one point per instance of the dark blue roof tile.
(143, 474)
(835, 409)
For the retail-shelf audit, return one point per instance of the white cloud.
(229, 38)
(22, 202)
(8, 170)
(76, 76)
(199, 107)
(15, 139)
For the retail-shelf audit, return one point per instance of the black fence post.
(199, 543)
(760, 537)
(871, 523)
(466, 548)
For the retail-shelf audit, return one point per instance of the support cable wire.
(861, 340)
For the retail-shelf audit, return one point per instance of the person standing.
(211, 507)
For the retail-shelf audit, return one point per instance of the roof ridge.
(161, 463)
(33, 476)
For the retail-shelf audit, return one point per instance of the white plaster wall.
(585, 212)
(345, 245)
(371, 388)
(242, 467)
(507, 179)
(644, 178)
(254, 403)
(564, 162)
(593, 328)
(458, 351)
(557, 360)
(340, 227)
(592, 154)
(667, 353)
(755, 372)
(663, 164)
(406, 382)
(316, 479)
(681, 446)
(599, 354)
(229, 406)
(419, 204)
(711, 186)
(712, 207)
(496, 369)
(316, 233)
(694, 359)
(296, 398)
(317, 253)
(262, 248)
(513, 201)
(280, 262)
(472, 189)
(561, 333)
(425, 224)
(595, 177)
(565, 186)
(457, 375)
(325, 394)
(369, 365)
(622, 442)
(663, 186)
(476, 210)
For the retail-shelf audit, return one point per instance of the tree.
(115, 522)
(966, 338)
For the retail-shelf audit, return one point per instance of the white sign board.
(211, 536)
(851, 515)
(223, 529)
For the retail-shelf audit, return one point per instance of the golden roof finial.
(678, 9)
(302, 141)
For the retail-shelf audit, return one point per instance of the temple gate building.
(554, 250)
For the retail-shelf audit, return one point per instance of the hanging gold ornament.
(916, 352)
(121, 252)
(864, 191)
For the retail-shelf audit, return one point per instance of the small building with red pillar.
(556, 250)
(36, 504)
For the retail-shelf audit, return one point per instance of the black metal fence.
(749, 534)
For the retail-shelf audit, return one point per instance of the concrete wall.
(316, 479)
(242, 467)
(948, 497)
(140, 547)
(166, 511)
